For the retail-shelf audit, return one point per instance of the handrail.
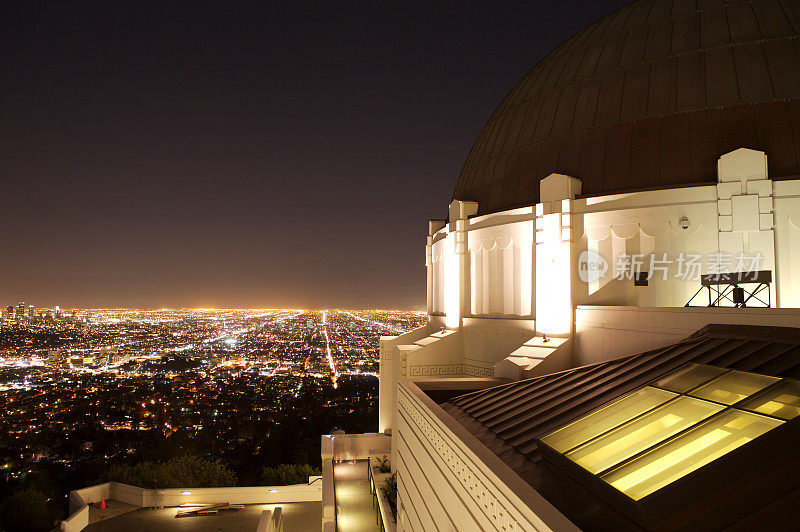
(373, 490)
(335, 501)
(383, 513)
(371, 480)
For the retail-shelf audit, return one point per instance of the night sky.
(245, 154)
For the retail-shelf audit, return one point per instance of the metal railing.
(725, 290)
(373, 489)
(384, 515)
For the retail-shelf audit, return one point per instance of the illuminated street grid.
(95, 384)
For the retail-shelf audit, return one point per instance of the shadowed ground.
(298, 517)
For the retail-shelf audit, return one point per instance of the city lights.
(86, 384)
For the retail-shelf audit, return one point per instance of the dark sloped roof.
(649, 96)
(510, 418)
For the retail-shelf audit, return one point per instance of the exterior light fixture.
(273, 491)
(186, 493)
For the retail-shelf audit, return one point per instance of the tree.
(181, 472)
(144, 474)
(285, 474)
(26, 510)
(195, 472)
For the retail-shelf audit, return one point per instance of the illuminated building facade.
(628, 219)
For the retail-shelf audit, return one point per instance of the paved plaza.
(298, 517)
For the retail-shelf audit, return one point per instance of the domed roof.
(649, 96)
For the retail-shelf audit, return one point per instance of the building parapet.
(608, 332)
(79, 500)
(328, 494)
(346, 447)
(456, 479)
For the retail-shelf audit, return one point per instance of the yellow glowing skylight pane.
(733, 387)
(690, 451)
(782, 401)
(688, 377)
(600, 421)
(642, 433)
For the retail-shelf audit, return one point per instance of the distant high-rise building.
(31, 311)
(20, 310)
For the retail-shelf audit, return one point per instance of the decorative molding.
(478, 371)
(451, 369)
(435, 369)
(464, 470)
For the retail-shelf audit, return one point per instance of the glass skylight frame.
(637, 507)
(662, 424)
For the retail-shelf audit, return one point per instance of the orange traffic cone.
(103, 503)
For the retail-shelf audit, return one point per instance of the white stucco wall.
(500, 264)
(644, 223)
(438, 257)
(79, 511)
(787, 241)
(447, 480)
(386, 383)
(745, 214)
(605, 333)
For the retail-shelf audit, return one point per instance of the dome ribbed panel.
(648, 96)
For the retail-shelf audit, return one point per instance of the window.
(674, 426)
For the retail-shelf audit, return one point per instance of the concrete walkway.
(354, 511)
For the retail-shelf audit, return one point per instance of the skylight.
(680, 456)
(600, 421)
(662, 432)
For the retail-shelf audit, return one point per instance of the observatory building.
(614, 332)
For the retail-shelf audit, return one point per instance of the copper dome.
(648, 96)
